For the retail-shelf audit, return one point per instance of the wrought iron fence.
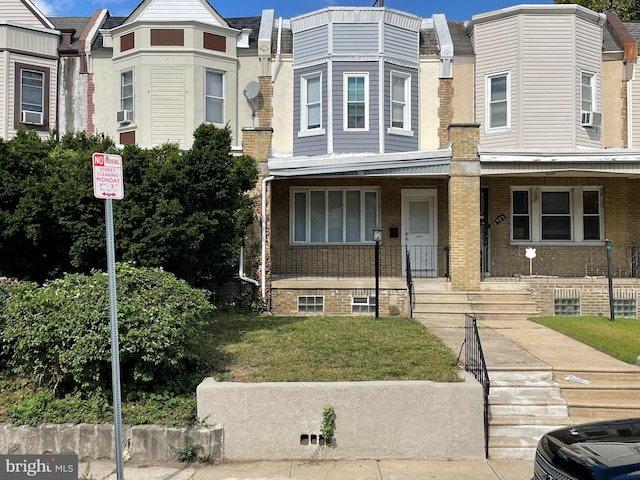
(561, 261)
(474, 364)
(356, 261)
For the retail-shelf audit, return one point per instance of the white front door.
(419, 230)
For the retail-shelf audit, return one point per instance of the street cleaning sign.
(107, 176)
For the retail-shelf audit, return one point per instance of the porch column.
(464, 207)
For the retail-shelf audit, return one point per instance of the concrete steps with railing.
(524, 404)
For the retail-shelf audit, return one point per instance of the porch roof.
(568, 162)
(431, 162)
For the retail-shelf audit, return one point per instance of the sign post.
(108, 184)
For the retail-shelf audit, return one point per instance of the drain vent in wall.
(313, 439)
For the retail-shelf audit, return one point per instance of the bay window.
(333, 215)
(356, 104)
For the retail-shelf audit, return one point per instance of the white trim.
(304, 105)
(345, 100)
(224, 84)
(487, 100)
(133, 89)
(407, 101)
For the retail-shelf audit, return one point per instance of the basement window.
(625, 307)
(310, 304)
(363, 304)
(566, 307)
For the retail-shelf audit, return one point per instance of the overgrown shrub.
(59, 333)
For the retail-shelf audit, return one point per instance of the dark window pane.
(555, 203)
(590, 203)
(556, 228)
(592, 228)
(521, 228)
(520, 202)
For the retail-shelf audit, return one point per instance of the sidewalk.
(320, 470)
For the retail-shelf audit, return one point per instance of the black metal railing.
(355, 261)
(474, 364)
(561, 261)
(409, 283)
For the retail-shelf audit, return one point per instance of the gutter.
(277, 62)
(264, 235)
(241, 270)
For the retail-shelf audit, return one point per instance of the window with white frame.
(311, 112)
(356, 104)
(400, 104)
(498, 93)
(126, 90)
(587, 91)
(361, 304)
(554, 214)
(333, 215)
(214, 97)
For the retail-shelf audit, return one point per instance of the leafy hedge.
(59, 334)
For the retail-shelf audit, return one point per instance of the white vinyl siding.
(635, 113)
(556, 215)
(16, 11)
(322, 216)
(588, 58)
(168, 106)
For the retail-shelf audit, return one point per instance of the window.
(497, 109)
(126, 90)
(566, 307)
(356, 88)
(31, 107)
(311, 111)
(625, 308)
(587, 91)
(310, 304)
(334, 216)
(32, 97)
(214, 97)
(556, 214)
(363, 304)
(400, 105)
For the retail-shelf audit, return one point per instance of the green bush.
(59, 334)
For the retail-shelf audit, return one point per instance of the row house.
(416, 150)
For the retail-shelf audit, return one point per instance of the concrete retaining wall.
(382, 420)
(142, 443)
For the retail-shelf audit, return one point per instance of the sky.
(453, 9)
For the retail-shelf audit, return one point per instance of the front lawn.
(619, 338)
(248, 348)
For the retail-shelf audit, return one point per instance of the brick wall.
(265, 109)
(464, 208)
(445, 109)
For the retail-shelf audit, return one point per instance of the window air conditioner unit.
(124, 116)
(32, 118)
(591, 119)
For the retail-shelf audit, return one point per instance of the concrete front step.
(508, 447)
(528, 389)
(593, 413)
(630, 376)
(617, 394)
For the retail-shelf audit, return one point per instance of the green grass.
(620, 338)
(248, 348)
(329, 349)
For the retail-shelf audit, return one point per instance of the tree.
(183, 211)
(625, 9)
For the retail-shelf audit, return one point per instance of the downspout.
(241, 270)
(630, 112)
(264, 235)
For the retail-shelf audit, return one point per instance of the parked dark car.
(608, 450)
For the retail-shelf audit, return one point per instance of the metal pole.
(377, 266)
(612, 315)
(115, 349)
